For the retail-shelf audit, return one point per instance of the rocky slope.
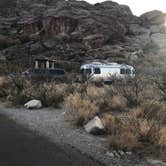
(78, 31)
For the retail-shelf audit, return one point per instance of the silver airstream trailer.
(96, 71)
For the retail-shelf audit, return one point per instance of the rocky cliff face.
(76, 30)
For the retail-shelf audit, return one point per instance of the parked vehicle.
(45, 69)
(56, 73)
(97, 71)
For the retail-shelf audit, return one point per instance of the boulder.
(154, 17)
(159, 39)
(137, 29)
(94, 126)
(33, 104)
(94, 41)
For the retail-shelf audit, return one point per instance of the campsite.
(82, 83)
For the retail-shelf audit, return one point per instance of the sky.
(139, 7)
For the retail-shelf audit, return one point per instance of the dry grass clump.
(8, 104)
(4, 84)
(150, 110)
(162, 137)
(124, 136)
(20, 91)
(118, 103)
(145, 128)
(124, 140)
(150, 126)
(95, 93)
(108, 121)
(51, 94)
(78, 109)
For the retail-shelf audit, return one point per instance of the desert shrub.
(118, 103)
(95, 93)
(20, 91)
(150, 110)
(147, 131)
(125, 140)
(161, 142)
(133, 89)
(78, 109)
(4, 84)
(8, 104)
(124, 136)
(162, 137)
(144, 129)
(109, 121)
(51, 94)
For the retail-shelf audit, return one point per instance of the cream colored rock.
(94, 126)
(33, 104)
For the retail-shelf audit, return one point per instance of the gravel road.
(22, 147)
(50, 123)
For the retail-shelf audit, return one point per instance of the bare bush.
(132, 90)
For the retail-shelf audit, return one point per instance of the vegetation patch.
(133, 116)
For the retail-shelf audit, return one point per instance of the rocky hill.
(78, 31)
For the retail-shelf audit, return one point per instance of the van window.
(122, 71)
(97, 71)
(128, 71)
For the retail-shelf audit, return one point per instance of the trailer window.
(122, 71)
(133, 71)
(128, 71)
(97, 71)
(88, 71)
(82, 71)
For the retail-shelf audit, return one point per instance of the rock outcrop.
(78, 31)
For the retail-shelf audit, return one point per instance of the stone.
(154, 17)
(159, 39)
(129, 153)
(122, 153)
(138, 29)
(33, 104)
(155, 29)
(94, 126)
(110, 154)
(94, 41)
